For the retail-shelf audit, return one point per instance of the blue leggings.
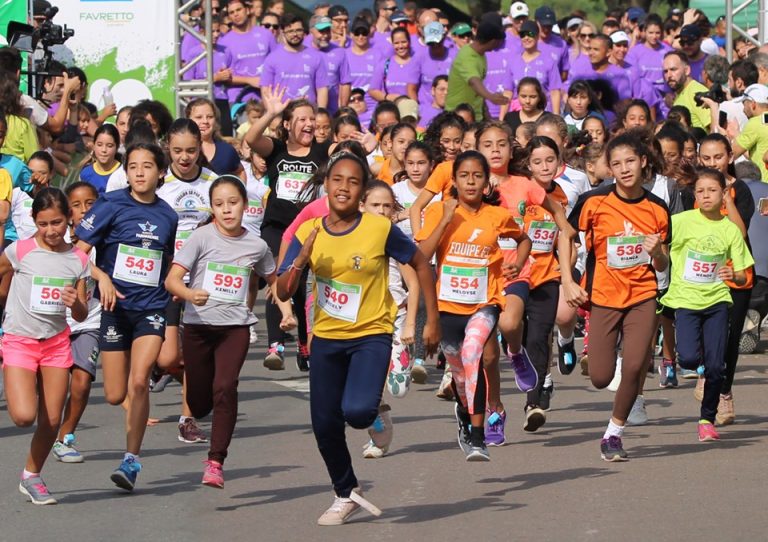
(346, 382)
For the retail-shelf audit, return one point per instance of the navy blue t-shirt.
(225, 160)
(134, 245)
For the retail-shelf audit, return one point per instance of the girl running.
(402, 136)
(36, 351)
(419, 163)
(626, 230)
(221, 259)
(83, 338)
(706, 250)
(354, 315)
(464, 236)
(133, 232)
(105, 160)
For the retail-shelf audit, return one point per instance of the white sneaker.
(638, 414)
(614, 384)
(253, 336)
(343, 508)
(444, 390)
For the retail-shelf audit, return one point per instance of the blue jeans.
(701, 336)
(345, 383)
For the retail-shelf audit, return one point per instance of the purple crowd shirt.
(428, 113)
(361, 69)
(222, 59)
(249, 50)
(300, 73)
(542, 68)
(498, 76)
(648, 62)
(617, 77)
(697, 66)
(335, 61)
(428, 69)
(393, 78)
(557, 49)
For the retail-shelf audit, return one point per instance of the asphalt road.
(550, 485)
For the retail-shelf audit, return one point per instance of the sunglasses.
(687, 42)
(269, 26)
(527, 34)
(360, 32)
(466, 36)
(590, 35)
(355, 99)
(393, 8)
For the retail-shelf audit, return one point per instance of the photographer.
(754, 138)
(715, 78)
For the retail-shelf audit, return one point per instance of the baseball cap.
(530, 26)
(635, 13)
(433, 32)
(39, 7)
(337, 10)
(690, 31)
(518, 9)
(461, 29)
(575, 21)
(408, 108)
(619, 36)
(399, 17)
(545, 16)
(359, 23)
(757, 93)
(321, 23)
(488, 31)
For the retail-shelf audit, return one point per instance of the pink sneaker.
(707, 431)
(213, 474)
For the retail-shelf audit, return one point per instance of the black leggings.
(273, 236)
(738, 314)
(540, 313)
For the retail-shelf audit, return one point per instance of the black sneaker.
(612, 450)
(545, 396)
(464, 433)
(440, 361)
(566, 358)
(302, 358)
(535, 417)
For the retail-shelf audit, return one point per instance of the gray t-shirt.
(223, 266)
(34, 308)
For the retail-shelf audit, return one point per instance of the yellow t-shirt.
(700, 117)
(754, 139)
(6, 185)
(351, 290)
(21, 138)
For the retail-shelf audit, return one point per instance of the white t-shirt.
(21, 214)
(406, 197)
(574, 183)
(257, 190)
(93, 321)
(190, 201)
(118, 180)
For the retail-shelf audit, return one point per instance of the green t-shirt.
(699, 247)
(467, 64)
(754, 138)
(700, 117)
(21, 139)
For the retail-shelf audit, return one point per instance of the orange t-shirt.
(441, 180)
(619, 273)
(541, 228)
(468, 256)
(385, 173)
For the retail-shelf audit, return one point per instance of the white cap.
(574, 22)
(556, 29)
(619, 36)
(506, 21)
(709, 46)
(518, 9)
(757, 93)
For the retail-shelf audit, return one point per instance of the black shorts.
(663, 310)
(119, 328)
(173, 312)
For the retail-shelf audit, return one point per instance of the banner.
(12, 10)
(126, 46)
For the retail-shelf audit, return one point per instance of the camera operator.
(715, 78)
(742, 74)
(754, 138)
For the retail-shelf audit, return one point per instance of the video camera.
(716, 94)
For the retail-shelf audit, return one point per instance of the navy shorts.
(520, 289)
(119, 328)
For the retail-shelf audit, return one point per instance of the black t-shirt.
(288, 174)
(225, 159)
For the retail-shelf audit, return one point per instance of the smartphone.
(765, 118)
(722, 120)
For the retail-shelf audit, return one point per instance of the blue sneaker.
(125, 475)
(526, 376)
(566, 358)
(667, 374)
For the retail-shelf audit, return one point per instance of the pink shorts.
(32, 354)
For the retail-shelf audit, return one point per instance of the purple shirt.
(361, 68)
(248, 50)
(382, 44)
(428, 113)
(617, 77)
(542, 68)
(393, 78)
(337, 73)
(222, 59)
(302, 73)
(648, 62)
(498, 76)
(428, 69)
(697, 66)
(557, 49)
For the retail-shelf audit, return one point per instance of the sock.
(477, 436)
(183, 419)
(548, 380)
(129, 455)
(701, 422)
(562, 341)
(613, 430)
(26, 475)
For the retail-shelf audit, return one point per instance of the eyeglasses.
(392, 8)
(590, 35)
(340, 20)
(360, 32)
(355, 99)
(269, 26)
(527, 34)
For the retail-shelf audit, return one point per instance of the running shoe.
(371, 451)
(698, 391)
(667, 374)
(526, 377)
(440, 365)
(638, 414)
(344, 508)
(381, 431)
(462, 420)
(726, 415)
(494, 434)
(65, 451)
(253, 336)
(707, 431)
(478, 453)
(302, 358)
(535, 417)
(419, 372)
(566, 358)
(399, 376)
(688, 374)
(125, 475)
(545, 397)
(36, 491)
(614, 384)
(190, 433)
(158, 380)
(213, 474)
(612, 450)
(445, 390)
(274, 360)
(584, 363)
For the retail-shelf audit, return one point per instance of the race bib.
(45, 295)
(138, 265)
(290, 184)
(542, 236)
(181, 238)
(466, 285)
(507, 243)
(254, 209)
(226, 282)
(338, 299)
(625, 252)
(702, 268)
